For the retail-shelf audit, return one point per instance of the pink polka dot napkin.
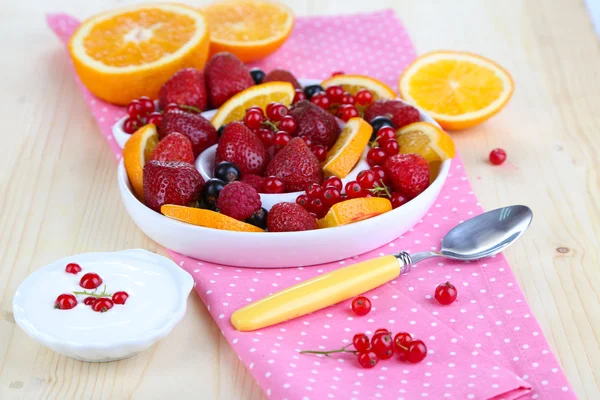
(485, 345)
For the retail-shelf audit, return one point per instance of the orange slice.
(346, 151)
(206, 218)
(130, 52)
(354, 210)
(354, 83)
(459, 90)
(136, 151)
(249, 29)
(258, 95)
(426, 140)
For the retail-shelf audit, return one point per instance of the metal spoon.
(482, 236)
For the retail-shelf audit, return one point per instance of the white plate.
(86, 335)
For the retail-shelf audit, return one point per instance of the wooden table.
(59, 194)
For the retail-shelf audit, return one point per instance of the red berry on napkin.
(445, 293)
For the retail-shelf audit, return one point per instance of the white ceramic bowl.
(86, 335)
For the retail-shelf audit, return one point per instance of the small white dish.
(157, 288)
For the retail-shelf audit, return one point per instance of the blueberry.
(210, 192)
(311, 90)
(259, 219)
(379, 122)
(258, 75)
(220, 131)
(227, 172)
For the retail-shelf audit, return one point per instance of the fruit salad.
(274, 137)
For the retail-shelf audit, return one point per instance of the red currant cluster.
(341, 103)
(381, 346)
(139, 113)
(100, 302)
(318, 199)
(384, 146)
(374, 182)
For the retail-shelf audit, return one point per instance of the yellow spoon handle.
(317, 293)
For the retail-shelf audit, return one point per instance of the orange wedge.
(459, 90)
(426, 140)
(354, 210)
(258, 95)
(206, 218)
(249, 29)
(130, 52)
(136, 151)
(354, 83)
(346, 151)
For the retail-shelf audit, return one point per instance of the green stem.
(270, 125)
(94, 294)
(190, 108)
(327, 353)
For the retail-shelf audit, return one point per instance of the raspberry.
(256, 181)
(288, 217)
(239, 200)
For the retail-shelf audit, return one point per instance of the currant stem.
(270, 125)
(94, 294)
(328, 352)
(190, 108)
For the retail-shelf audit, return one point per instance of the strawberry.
(174, 147)
(408, 173)
(399, 112)
(239, 145)
(226, 75)
(171, 182)
(290, 217)
(296, 166)
(197, 128)
(187, 87)
(315, 123)
(282, 75)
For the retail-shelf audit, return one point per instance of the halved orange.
(136, 151)
(354, 210)
(206, 218)
(346, 151)
(354, 83)
(250, 29)
(459, 90)
(258, 95)
(130, 52)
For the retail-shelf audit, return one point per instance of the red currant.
(273, 185)
(73, 268)
(147, 105)
(376, 156)
(314, 191)
(497, 156)
(347, 111)
(155, 118)
(130, 125)
(90, 281)
(367, 359)
(347, 98)
(320, 151)
(354, 190)
(65, 302)
(360, 341)
(302, 200)
(445, 293)
(120, 297)
(281, 139)
(398, 199)
(335, 93)
(257, 108)
(386, 133)
(276, 112)
(299, 96)
(367, 179)
(307, 140)
(361, 305)
(391, 147)
(135, 109)
(287, 124)
(381, 330)
(331, 196)
(321, 100)
(401, 341)
(333, 181)
(337, 73)
(364, 97)
(381, 175)
(89, 301)
(316, 206)
(103, 304)
(382, 345)
(416, 351)
(266, 136)
(172, 106)
(253, 118)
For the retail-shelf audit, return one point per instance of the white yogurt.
(155, 296)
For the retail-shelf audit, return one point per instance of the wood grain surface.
(58, 192)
